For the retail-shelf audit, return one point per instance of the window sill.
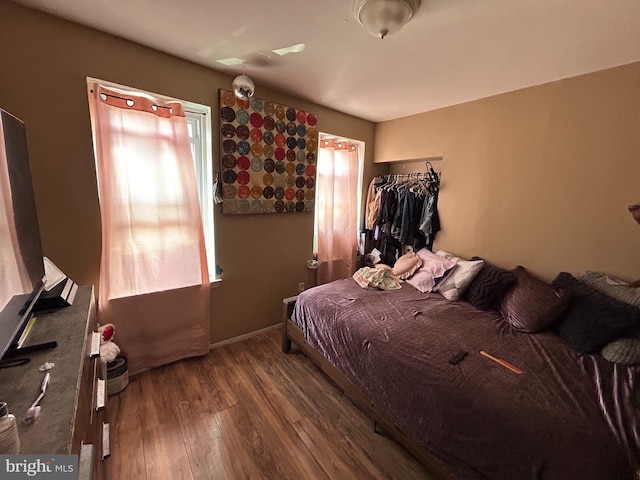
(215, 282)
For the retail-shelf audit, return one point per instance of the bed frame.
(292, 334)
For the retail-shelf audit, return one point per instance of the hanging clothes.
(401, 210)
(372, 205)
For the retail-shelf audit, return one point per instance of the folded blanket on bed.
(376, 278)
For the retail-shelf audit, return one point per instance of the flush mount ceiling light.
(384, 17)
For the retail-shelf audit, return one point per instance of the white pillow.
(456, 282)
(433, 267)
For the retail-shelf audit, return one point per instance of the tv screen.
(21, 264)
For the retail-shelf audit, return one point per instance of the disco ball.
(243, 87)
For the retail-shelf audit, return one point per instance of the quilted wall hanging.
(268, 156)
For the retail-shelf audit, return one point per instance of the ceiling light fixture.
(384, 17)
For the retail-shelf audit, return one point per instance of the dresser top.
(52, 431)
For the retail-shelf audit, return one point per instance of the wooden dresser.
(73, 417)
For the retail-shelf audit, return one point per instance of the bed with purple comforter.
(568, 416)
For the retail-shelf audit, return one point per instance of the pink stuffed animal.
(108, 349)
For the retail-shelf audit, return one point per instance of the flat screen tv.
(22, 272)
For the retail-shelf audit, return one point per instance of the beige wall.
(45, 62)
(539, 177)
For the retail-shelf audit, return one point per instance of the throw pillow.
(613, 287)
(625, 351)
(406, 265)
(433, 267)
(592, 318)
(489, 285)
(532, 305)
(454, 284)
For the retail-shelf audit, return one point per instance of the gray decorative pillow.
(453, 285)
(625, 351)
(613, 287)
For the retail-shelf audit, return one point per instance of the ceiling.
(452, 51)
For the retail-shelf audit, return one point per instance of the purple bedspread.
(569, 416)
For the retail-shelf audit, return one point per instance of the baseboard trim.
(244, 336)
(222, 343)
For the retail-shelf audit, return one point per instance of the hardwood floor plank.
(207, 453)
(165, 452)
(244, 442)
(384, 457)
(335, 462)
(157, 387)
(271, 384)
(214, 382)
(125, 433)
(285, 445)
(247, 411)
(202, 382)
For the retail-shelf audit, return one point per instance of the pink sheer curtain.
(14, 278)
(154, 283)
(337, 210)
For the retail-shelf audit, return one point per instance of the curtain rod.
(155, 105)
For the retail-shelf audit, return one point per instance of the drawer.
(75, 415)
(86, 396)
(93, 454)
(91, 432)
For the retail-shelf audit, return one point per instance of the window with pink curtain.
(337, 181)
(14, 278)
(154, 282)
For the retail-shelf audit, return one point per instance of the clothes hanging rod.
(414, 175)
(410, 174)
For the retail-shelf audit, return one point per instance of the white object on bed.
(454, 284)
(433, 267)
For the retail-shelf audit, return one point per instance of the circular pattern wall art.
(268, 156)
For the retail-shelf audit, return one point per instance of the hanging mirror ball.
(243, 87)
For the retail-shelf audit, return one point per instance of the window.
(199, 128)
(199, 124)
(327, 140)
(337, 211)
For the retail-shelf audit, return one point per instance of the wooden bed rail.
(287, 310)
(292, 333)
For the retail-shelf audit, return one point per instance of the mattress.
(567, 416)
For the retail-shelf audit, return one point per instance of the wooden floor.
(246, 411)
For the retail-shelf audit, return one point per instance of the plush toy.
(108, 349)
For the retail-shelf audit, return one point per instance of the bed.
(568, 415)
